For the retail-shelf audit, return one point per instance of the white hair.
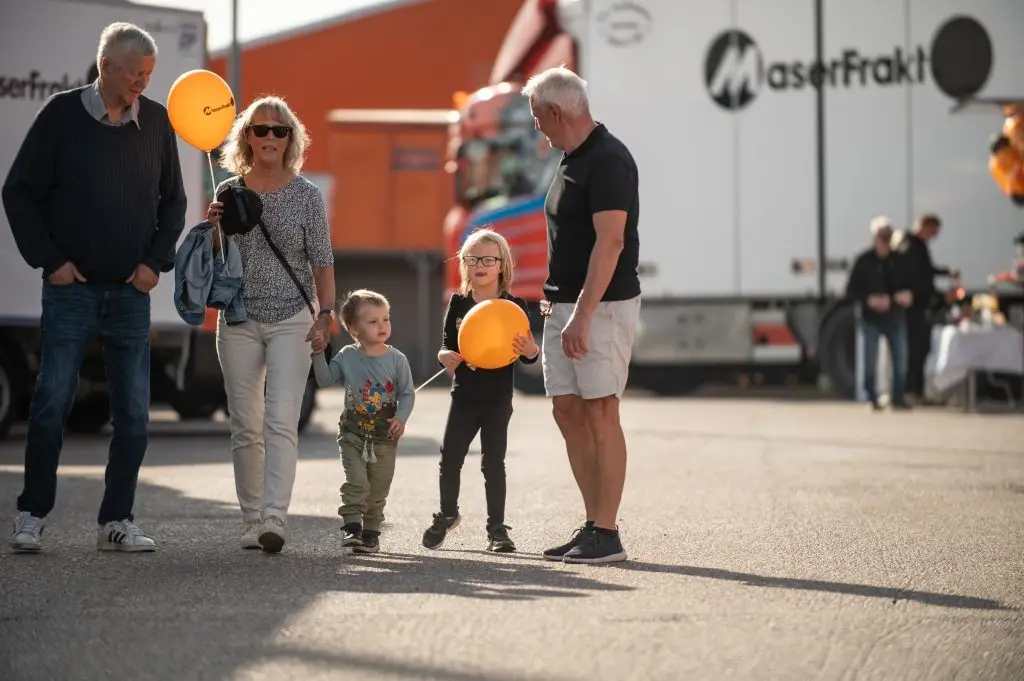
(122, 37)
(559, 87)
(880, 223)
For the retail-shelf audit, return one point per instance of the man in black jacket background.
(879, 285)
(920, 275)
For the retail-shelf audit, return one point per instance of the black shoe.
(498, 539)
(597, 547)
(370, 543)
(436, 533)
(353, 535)
(558, 552)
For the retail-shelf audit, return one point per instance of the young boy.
(379, 397)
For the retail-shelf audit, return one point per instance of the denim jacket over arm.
(201, 280)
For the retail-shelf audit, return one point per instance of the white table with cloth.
(960, 351)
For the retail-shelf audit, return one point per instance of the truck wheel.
(12, 388)
(89, 414)
(308, 403)
(837, 351)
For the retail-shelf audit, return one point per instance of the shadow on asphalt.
(219, 607)
(894, 594)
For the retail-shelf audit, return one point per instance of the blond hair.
(354, 301)
(236, 154)
(487, 235)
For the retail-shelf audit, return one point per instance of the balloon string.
(429, 380)
(213, 184)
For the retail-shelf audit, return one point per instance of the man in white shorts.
(593, 302)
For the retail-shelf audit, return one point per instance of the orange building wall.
(413, 56)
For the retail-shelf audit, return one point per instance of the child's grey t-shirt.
(376, 388)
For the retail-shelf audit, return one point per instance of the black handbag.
(328, 350)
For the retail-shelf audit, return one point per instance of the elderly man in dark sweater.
(879, 285)
(96, 201)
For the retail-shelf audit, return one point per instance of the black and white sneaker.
(123, 535)
(28, 533)
(498, 539)
(599, 546)
(352, 535)
(435, 535)
(558, 552)
(370, 543)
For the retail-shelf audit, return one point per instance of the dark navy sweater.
(107, 198)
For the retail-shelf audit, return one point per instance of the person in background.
(879, 285)
(920, 274)
(592, 305)
(379, 397)
(96, 201)
(481, 398)
(265, 360)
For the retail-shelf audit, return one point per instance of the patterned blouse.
(296, 218)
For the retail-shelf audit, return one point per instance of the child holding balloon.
(481, 398)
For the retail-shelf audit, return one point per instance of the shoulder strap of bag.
(284, 263)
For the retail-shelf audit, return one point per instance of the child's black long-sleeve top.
(485, 385)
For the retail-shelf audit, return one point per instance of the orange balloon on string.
(201, 108)
(1006, 165)
(488, 330)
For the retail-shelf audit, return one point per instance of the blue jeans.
(895, 333)
(72, 315)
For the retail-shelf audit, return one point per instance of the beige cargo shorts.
(603, 372)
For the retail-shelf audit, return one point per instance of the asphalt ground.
(767, 539)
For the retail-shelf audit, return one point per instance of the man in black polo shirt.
(593, 291)
(96, 201)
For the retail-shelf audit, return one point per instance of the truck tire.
(12, 387)
(89, 414)
(837, 351)
(308, 403)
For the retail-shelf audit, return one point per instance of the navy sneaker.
(558, 552)
(435, 535)
(370, 543)
(498, 539)
(353, 534)
(599, 546)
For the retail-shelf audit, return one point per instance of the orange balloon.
(1013, 130)
(1006, 165)
(487, 332)
(201, 108)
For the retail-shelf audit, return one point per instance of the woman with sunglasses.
(265, 360)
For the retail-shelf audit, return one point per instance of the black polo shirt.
(598, 175)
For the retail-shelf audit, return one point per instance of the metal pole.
(236, 55)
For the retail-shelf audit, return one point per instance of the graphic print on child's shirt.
(368, 416)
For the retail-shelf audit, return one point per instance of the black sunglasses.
(280, 131)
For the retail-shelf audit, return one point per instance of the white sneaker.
(28, 531)
(251, 535)
(123, 535)
(272, 534)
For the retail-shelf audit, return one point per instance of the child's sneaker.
(353, 535)
(370, 543)
(498, 539)
(436, 533)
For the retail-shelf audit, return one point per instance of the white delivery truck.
(767, 135)
(49, 46)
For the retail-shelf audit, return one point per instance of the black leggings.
(465, 419)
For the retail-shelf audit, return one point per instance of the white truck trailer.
(768, 134)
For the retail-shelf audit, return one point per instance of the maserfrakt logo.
(959, 62)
